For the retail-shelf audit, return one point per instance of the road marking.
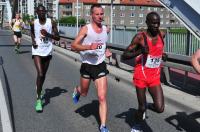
(5, 120)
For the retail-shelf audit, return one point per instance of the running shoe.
(75, 95)
(38, 106)
(104, 129)
(17, 50)
(136, 128)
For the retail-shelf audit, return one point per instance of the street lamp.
(111, 21)
(76, 17)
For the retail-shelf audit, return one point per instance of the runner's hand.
(164, 57)
(34, 45)
(94, 46)
(108, 53)
(43, 32)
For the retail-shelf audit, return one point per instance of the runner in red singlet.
(147, 47)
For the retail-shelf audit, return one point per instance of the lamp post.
(111, 22)
(76, 17)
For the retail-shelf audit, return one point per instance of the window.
(87, 7)
(88, 14)
(122, 22)
(68, 7)
(132, 14)
(132, 7)
(113, 14)
(113, 7)
(149, 8)
(161, 22)
(167, 22)
(161, 15)
(155, 9)
(78, 6)
(141, 15)
(167, 15)
(122, 14)
(122, 7)
(141, 22)
(141, 8)
(132, 21)
(162, 9)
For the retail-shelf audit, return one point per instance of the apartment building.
(129, 13)
(28, 7)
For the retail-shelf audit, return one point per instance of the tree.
(68, 20)
(71, 20)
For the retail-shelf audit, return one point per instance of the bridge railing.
(177, 40)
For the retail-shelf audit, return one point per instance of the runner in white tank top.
(43, 30)
(97, 56)
(44, 43)
(91, 42)
(17, 25)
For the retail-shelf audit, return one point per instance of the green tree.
(68, 20)
(71, 20)
(82, 22)
(26, 18)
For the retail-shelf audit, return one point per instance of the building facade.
(28, 7)
(129, 13)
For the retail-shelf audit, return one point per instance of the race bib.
(153, 61)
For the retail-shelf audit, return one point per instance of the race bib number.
(153, 61)
(45, 40)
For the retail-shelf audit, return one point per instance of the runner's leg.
(141, 96)
(40, 74)
(157, 95)
(101, 85)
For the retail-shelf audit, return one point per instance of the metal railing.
(180, 43)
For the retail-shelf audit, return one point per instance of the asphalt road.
(61, 115)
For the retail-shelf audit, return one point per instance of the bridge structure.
(187, 11)
(7, 4)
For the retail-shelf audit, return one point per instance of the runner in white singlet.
(43, 30)
(91, 42)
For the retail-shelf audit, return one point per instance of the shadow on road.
(24, 52)
(129, 119)
(3, 45)
(91, 109)
(50, 93)
(185, 122)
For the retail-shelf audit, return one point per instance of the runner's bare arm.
(54, 35)
(77, 43)
(33, 34)
(164, 55)
(133, 49)
(196, 60)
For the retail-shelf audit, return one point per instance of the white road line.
(5, 120)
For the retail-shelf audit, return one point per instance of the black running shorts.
(18, 34)
(94, 72)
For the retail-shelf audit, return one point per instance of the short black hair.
(93, 6)
(40, 6)
(149, 15)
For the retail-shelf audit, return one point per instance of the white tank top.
(44, 43)
(17, 25)
(94, 57)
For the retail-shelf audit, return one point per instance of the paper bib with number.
(153, 61)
